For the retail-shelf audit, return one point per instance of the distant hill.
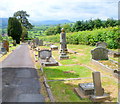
(3, 22)
(50, 22)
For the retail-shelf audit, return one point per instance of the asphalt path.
(19, 78)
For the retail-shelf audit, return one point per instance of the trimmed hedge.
(109, 35)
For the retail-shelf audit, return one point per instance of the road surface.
(19, 77)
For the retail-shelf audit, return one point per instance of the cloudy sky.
(61, 9)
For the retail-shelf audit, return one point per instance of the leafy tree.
(24, 33)
(77, 26)
(97, 23)
(111, 22)
(50, 31)
(14, 29)
(58, 29)
(22, 17)
(67, 27)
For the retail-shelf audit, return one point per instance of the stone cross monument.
(63, 45)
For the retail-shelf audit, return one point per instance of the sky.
(72, 10)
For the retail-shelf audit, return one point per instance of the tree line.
(82, 26)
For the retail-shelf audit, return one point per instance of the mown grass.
(63, 72)
(63, 91)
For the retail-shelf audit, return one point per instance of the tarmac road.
(19, 78)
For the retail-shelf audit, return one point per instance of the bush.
(108, 35)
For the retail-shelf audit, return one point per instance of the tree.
(50, 31)
(111, 22)
(67, 27)
(58, 29)
(97, 23)
(22, 17)
(24, 33)
(14, 29)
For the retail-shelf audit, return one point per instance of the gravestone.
(94, 90)
(99, 95)
(86, 88)
(33, 44)
(101, 44)
(43, 54)
(46, 58)
(3, 51)
(63, 45)
(6, 45)
(40, 43)
(100, 53)
(29, 41)
(54, 47)
(37, 41)
(98, 90)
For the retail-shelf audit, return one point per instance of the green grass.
(58, 72)
(65, 93)
(84, 56)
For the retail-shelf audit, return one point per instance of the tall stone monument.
(63, 45)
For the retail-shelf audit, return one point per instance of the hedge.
(109, 35)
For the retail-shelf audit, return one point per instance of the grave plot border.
(105, 68)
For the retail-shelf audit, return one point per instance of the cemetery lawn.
(77, 66)
(63, 91)
(64, 72)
